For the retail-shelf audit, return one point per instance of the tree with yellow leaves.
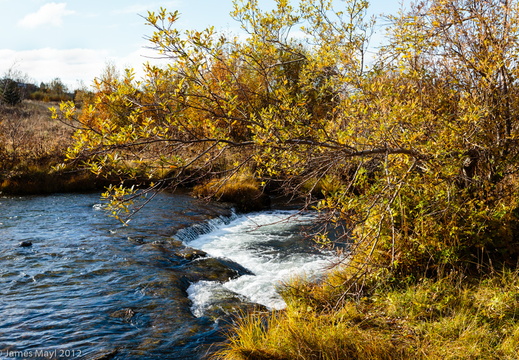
(414, 157)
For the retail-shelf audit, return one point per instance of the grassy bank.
(452, 318)
(433, 278)
(31, 145)
(243, 190)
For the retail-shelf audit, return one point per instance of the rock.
(225, 305)
(123, 314)
(214, 269)
(174, 243)
(25, 244)
(228, 309)
(105, 356)
(191, 254)
(136, 239)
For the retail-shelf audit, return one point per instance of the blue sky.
(75, 39)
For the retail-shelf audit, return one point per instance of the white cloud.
(43, 65)
(49, 14)
(72, 66)
(142, 9)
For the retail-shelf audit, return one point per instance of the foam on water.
(268, 244)
(191, 233)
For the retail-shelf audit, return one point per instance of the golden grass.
(31, 144)
(29, 134)
(444, 319)
(241, 189)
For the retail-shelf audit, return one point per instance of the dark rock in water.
(240, 270)
(191, 254)
(174, 243)
(159, 242)
(225, 305)
(227, 309)
(123, 314)
(136, 239)
(25, 244)
(214, 269)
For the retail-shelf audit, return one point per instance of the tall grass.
(28, 133)
(449, 318)
(31, 144)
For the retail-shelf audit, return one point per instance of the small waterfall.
(188, 234)
(269, 244)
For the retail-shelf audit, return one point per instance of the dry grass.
(29, 135)
(242, 189)
(31, 144)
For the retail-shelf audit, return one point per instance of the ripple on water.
(84, 266)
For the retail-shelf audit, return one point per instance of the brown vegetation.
(31, 144)
(242, 190)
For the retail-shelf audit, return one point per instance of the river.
(161, 287)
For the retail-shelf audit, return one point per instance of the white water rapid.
(269, 244)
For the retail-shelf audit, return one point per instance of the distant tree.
(57, 87)
(14, 86)
(11, 93)
(55, 90)
(44, 87)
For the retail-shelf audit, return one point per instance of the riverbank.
(31, 145)
(33, 148)
(451, 318)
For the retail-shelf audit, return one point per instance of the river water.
(162, 287)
